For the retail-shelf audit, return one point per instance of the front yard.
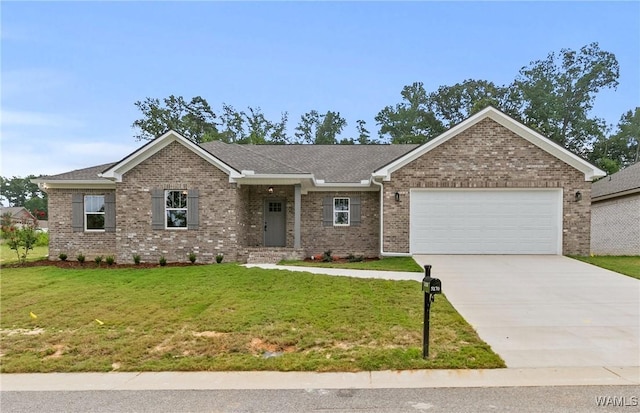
(223, 317)
(628, 265)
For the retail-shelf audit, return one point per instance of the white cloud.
(25, 118)
(32, 83)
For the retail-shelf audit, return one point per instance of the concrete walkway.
(383, 275)
(591, 376)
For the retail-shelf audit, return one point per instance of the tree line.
(554, 96)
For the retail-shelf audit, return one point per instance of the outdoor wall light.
(578, 196)
(270, 190)
(397, 196)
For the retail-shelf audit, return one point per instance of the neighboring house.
(615, 213)
(18, 214)
(487, 186)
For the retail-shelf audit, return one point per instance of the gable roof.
(316, 165)
(16, 212)
(116, 171)
(511, 124)
(623, 182)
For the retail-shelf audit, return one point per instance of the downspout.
(383, 253)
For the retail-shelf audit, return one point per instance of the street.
(561, 399)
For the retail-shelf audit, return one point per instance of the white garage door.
(486, 221)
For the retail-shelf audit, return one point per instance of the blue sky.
(71, 71)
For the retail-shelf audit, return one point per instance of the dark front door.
(274, 223)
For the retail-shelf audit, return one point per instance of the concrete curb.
(254, 380)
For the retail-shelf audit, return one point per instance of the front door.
(274, 223)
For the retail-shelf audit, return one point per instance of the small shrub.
(110, 260)
(98, 260)
(326, 257)
(355, 258)
(42, 239)
(136, 259)
(162, 261)
(219, 258)
(80, 258)
(192, 257)
(62, 256)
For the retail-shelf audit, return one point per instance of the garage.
(486, 221)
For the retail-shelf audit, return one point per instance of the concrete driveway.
(544, 311)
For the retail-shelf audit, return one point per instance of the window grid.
(176, 209)
(94, 212)
(341, 212)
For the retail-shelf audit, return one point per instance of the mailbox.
(435, 286)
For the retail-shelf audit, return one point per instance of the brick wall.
(62, 239)
(487, 155)
(176, 167)
(357, 240)
(615, 226)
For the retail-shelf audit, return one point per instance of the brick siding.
(488, 155)
(176, 167)
(615, 226)
(62, 239)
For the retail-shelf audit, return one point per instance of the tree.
(410, 121)
(555, 95)
(320, 129)
(453, 104)
(21, 192)
(618, 150)
(195, 120)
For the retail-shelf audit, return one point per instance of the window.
(341, 211)
(94, 212)
(176, 209)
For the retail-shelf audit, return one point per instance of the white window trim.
(85, 212)
(348, 211)
(185, 209)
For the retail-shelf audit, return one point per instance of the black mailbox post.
(430, 287)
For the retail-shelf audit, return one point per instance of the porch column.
(297, 199)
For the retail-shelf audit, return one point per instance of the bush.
(326, 257)
(42, 239)
(62, 256)
(98, 260)
(20, 238)
(136, 259)
(162, 261)
(110, 260)
(192, 257)
(80, 258)
(219, 258)
(355, 258)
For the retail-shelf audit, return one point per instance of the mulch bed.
(92, 264)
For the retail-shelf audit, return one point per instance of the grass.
(9, 256)
(386, 264)
(223, 317)
(628, 265)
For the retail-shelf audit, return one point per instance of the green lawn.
(628, 265)
(9, 256)
(223, 317)
(385, 264)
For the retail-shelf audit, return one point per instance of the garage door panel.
(485, 221)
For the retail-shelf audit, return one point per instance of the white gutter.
(383, 253)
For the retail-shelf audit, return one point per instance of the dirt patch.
(208, 334)
(23, 331)
(257, 346)
(59, 350)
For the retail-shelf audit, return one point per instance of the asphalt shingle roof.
(621, 181)
(331, 163)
